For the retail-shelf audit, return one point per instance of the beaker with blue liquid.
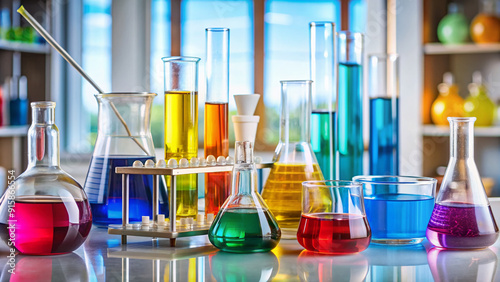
(124, 136)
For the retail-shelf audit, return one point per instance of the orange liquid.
(217, 185)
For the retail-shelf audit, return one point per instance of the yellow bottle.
(478, 104)
(448, 103)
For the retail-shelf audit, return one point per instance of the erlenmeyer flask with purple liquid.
(462, 217)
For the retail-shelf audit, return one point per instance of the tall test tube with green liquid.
(350, 105)
(323, 74)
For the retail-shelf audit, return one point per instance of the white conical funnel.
(245, 127)
(246, 103)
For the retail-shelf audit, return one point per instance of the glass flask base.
(244, 230)
(448, 241)
(411, 241)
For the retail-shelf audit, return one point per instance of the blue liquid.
(350, 120)
(322, 141)
(18, 111)
(384, 136)
(104, 190)
(398, 216)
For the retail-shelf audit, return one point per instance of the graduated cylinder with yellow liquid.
(294, 159)
(181, 126)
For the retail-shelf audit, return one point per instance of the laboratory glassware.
(448, 103)
(117, 146)
(462, 217)
(333, 217)
(383, 90)
(181, 126)
(217, 185)
(478, 104)
(454, 27)
(349, 145)
(44, 211)
(485, 27)
(324, 94)
(398, 208)
(294, 159)
(244, 223)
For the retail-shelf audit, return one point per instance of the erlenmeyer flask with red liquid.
(462, 216)
(44, 211)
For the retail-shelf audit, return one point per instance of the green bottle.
(454, 27)
(478, 104)
(244, 224)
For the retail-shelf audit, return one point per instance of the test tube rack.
(173, 230)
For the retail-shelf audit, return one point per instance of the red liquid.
(48, 226)
(217, 185)
(334, 233)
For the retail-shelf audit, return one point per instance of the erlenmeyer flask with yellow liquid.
(294, 159)
(448, 103)
(478, 104)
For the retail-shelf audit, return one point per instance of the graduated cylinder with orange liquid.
(217, 185)
(294, 159)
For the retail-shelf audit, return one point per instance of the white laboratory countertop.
(103, 258)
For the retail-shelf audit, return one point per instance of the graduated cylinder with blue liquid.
(383, 90)
(349, 145)
(323, 67)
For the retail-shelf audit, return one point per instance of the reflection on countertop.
(103, 258)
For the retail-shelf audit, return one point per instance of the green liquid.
(322, 141)
(350, 120)
(244, 230)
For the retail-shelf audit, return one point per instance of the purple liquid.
(462, 226)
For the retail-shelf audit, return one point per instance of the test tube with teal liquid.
(323, 73)
(383, 90)
(349, 145)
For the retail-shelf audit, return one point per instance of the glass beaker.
(217, 185)
(324, 94)
(383, 90)
(398, 207)
(181, 126)
(294, 160)
(44, 211)
(462, 217)
(244, 223)
(350, 105)
(333, 217)
(119, 145)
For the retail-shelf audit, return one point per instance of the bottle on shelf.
(18, 104)
(478, 104)
(454, 27)
(462, 216)
(485, 27)
(44, 209)
(448, 103)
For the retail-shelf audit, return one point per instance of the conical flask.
(44, 211)
(462, 217)
(294, 159)
(448, 103)
(244, 223)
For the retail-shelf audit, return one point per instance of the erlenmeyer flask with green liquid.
(294, 159)
(244, 223)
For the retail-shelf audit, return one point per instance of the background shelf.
(468, 48)
(434, 130)
(24, 47)
(13, 131)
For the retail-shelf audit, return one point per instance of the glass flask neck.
(461, 137)
(295, 111)
(43, 136)
(244, 172)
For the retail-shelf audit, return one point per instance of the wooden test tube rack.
(172, 231)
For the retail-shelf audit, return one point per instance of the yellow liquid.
(283, 191)
(181, 141)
